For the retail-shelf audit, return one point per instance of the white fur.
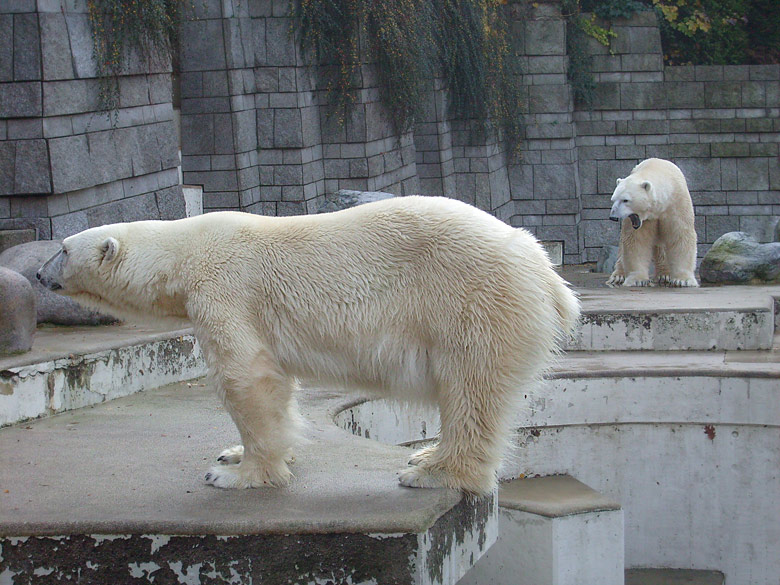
(415, 298)
(656, 191)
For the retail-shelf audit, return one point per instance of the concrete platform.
(115, 493)
(73, 367)
(554, 531)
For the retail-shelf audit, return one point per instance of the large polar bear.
(655, 207)
(414, 298)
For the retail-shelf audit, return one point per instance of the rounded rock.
(17, 313)
(26, 259)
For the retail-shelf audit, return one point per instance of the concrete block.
(553, 531)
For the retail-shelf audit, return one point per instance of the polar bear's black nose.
(613, 218)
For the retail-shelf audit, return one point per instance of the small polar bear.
(412, 298)
(655, 207)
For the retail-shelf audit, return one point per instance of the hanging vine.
(120, 28)
(466, 41)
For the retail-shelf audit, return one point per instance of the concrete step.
(553, 531)
(724, 318)
(114, 493)
(73, 367)
(673, 577)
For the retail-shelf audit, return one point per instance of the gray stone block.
(17, 319)
(642, 96)
(27, 259)
(197, 55)
(701, 174)
(545, 37)
(80, 38)
(27, 48)
(20, 99)
(280, 47)
(725, 94)
(288, 132)
(7, 166)
(70, 97)
(31, 168)
(554, 182)
(6, 47)
(24, 128)
(170, 203)
(753, 174)
(199, 133)
(345, 198)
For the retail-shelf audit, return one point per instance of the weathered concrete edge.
(441, 554)
(74, 381)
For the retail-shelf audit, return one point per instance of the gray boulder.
(737, 257)
(17, 313)
(346, 198)
(26, 259)
(608, 256)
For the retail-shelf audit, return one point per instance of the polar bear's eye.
(625, 201)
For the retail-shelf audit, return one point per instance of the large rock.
(17, 312)
(346, 198)
(26, 259)
(608, 256)
(736, 257)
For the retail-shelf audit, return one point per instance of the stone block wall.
(64, 166)
(719, 124)
(256, 131)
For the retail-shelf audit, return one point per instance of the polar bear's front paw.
(421, 456)
(246, 475)
(632, 280)
(231, 456)
(683, 281)
(421, 477)
(616, 279)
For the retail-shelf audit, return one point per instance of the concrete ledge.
(116, 491)
(727, 318)
(553, 496)
(73, 367)
(553, 531)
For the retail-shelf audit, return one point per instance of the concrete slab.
(673, 577)
(73, 367)
(126, 478)
(553, 496)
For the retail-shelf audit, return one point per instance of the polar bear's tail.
(567, 305)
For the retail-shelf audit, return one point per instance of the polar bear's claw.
(231, 456)
(615, 280)
(421, 477)
(422, 455)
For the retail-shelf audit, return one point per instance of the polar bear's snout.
(51, 272)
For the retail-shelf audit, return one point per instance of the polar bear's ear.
(618, 181)
(646, 186)
(109, 248)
